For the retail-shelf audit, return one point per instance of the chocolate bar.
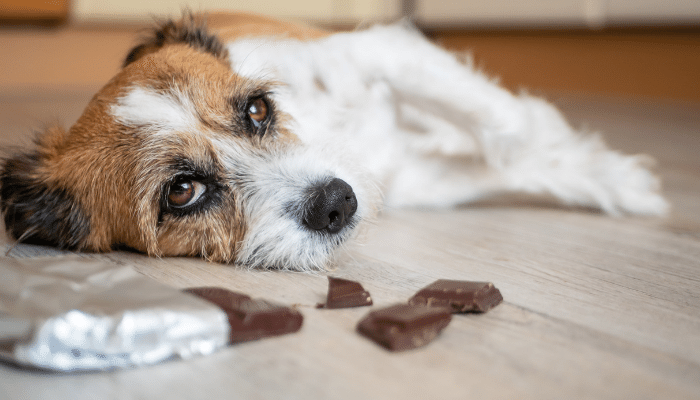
(458, 296)
(404, 327)
(343, 293)
(250, 319)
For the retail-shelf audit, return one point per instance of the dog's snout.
(331, 206)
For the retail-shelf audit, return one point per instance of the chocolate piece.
(251, 319)
(343, 293)
(404, 327)
(459, 296)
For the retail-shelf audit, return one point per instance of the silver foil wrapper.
(72, 314)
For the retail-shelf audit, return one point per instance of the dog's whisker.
(19, 240)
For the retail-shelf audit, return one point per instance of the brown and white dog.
(248, 140)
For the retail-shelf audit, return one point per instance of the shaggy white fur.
(435, 132)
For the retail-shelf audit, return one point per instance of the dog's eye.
(184, 192)
(257, 111)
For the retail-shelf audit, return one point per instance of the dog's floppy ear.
(191, 29)
(36, 211)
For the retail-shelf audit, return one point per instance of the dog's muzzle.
(331, 206)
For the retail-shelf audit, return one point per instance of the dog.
(268, 144)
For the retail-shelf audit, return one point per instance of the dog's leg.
(468, 138)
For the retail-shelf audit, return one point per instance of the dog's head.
(178, 155)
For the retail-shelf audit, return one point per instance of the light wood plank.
(595, 307)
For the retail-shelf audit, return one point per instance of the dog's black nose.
(331, 206)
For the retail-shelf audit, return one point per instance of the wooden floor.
(595, 307)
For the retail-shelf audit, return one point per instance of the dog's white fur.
(435, 132)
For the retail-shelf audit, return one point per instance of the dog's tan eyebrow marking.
(145, 107)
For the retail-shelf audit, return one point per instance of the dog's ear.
(191, 29)
(37, 211)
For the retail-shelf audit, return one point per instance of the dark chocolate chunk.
(404, 327)
(459, 296)
(251, 319)
(343, 293)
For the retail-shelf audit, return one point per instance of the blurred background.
(646, 49)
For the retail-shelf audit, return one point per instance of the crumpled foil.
(74, 314)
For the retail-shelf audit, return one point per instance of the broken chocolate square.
(404, 327)
(251, 319)
(458, 296)
(343, 293)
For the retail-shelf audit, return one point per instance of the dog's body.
(264, 143)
